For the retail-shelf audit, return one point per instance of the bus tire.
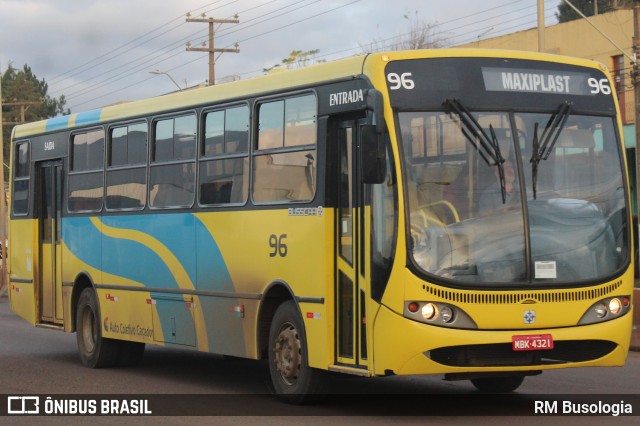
(498, 384)
(293, 381)
(95, 350)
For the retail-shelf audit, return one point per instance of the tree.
(420, 35)
(296, 59)
(566, 13)
(25, 97)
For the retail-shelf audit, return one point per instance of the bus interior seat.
(433, 183)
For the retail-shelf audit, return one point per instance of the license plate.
(534, 342)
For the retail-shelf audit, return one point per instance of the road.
(45, 362)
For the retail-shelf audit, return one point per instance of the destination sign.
(543, 81)
(497, 83)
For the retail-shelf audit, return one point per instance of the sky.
(100, 52)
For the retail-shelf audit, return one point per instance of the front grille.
(502, 354)
(516, 297)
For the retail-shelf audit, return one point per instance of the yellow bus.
(459, 212)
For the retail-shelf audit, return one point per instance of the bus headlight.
(447, 314)
(429, 310)
(600, 310)
(606, 309)
(615, 306)
(438, 313)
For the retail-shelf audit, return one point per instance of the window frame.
(25, 178)
(154, 164)
(72, 173)
(203, 158)
(129, 166)
(284, 149)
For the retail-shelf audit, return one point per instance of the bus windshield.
(501, 198)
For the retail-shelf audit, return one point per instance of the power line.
(153, 54)
(241, 27)
(345, 52)
(270, 31)
(249, 38)
(78, 69)
(253, 22)
(94, 64)
(299, 21)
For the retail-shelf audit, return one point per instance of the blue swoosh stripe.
(201, 258)
(123, 258)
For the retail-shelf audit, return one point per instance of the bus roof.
(194, 97)
(328, 71)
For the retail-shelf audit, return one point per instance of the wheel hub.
(288, 354)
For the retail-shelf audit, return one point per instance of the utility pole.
(3, 210)
(211, 48)
(635, 78)
(541, 26)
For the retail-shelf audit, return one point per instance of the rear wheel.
(293, 380)
(498, 384)
(95, 350)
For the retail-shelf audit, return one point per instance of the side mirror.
(373, 155)
(372, 142)
(375, 103)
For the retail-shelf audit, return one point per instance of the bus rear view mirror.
(373, 155)
(372, 146)
(375, 103)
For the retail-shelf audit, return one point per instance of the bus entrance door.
(351, 240)
(49, 209)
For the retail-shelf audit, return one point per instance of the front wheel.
(498, 384)
(293, 380)
(95, 350)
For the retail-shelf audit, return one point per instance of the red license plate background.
(534, 342)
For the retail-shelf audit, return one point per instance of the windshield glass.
(496, 198)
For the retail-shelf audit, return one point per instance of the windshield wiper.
(486, 145)
(543, 146)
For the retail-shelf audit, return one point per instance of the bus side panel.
(236, 259)
(81, 252)
(127, 315)
(224, 316)
(259, 249)
(153, 252)
(82, 241)
(23, 268)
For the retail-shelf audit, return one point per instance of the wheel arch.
(276, 293)
(83, 280)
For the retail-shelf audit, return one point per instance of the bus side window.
(126, 167)
(224, 163)
(284, 167)
(172, 174)
(86, 186)
(21, 179)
